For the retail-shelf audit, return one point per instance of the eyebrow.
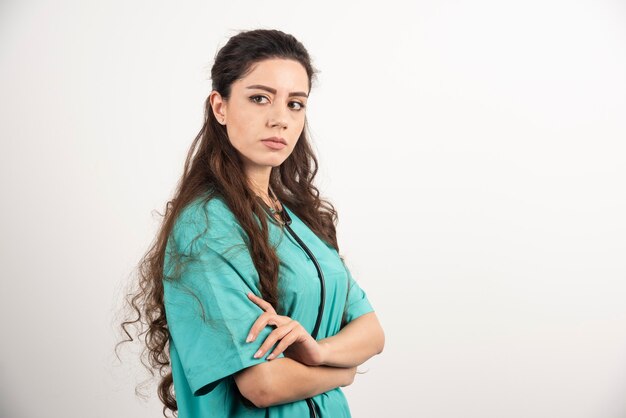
(273, 91)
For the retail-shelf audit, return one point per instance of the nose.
(278, 116)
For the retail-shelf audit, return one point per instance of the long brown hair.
(212, 163)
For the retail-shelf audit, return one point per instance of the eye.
(257, 99)
(253, 98)
(300, 105)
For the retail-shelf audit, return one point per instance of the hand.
(295, 341)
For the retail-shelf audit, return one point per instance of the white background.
(474, 150)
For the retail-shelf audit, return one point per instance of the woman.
(244, 291)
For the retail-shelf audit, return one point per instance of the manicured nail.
(249, 338)
(257, 354)
(271, 356)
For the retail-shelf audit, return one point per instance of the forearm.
(361, 339)
(289, 380)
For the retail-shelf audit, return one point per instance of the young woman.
(244, 294)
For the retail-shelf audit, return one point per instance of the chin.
(275, 161)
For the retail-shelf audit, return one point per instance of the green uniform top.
(209, 314)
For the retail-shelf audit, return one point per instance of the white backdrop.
(474, 150)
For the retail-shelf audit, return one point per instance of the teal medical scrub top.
(217, 273)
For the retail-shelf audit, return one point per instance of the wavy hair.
(212, 163)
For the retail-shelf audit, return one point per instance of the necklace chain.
(274, 210)
(274, 201)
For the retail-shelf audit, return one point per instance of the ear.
(218, 105)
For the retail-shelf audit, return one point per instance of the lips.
(274, 145)
(276, 139)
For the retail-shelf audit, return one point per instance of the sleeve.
(205, 295)
(357, 303)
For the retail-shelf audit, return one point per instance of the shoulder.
(202, 212)
(209, 222)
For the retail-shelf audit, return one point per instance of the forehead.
(281, 74)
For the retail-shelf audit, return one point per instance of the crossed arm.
(286, 380)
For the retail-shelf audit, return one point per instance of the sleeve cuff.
(359, 308)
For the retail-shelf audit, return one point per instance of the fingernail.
(257, 354)
(271, 356)
(249, 338)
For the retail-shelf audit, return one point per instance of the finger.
(284, 344)
(264, 320)
(266, 306)
(274, 336)
(295, 334)
(260, 323)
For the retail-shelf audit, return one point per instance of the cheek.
(242, 128)
(298, 128)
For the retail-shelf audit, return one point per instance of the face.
(268, 102)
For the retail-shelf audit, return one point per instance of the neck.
(259, 179)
